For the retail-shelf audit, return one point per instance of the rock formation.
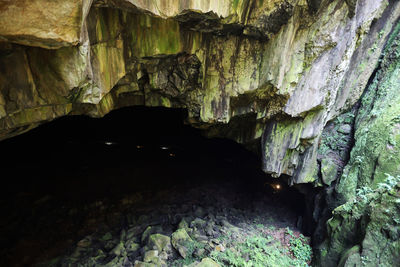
(238, 67)
(365, 227)
(278, 71)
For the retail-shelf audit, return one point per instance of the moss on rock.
(368, 188)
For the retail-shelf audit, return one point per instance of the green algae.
(287, 133)
(369, 217)
(152, 36)
(376, 151)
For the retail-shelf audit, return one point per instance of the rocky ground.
(226, 218)
(110, 202)
(197, 226)
(185, 224)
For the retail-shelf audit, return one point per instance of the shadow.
(54, 177)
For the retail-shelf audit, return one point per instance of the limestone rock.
(329, 171)
(276, 70)
(132, 247)
(296, 153)
(119, 249)
(159, 242)
(345, 129)
(220, 248)
(48, 24)
(149, 231)
(151, 256)
(183, 225)
(368, 191)
(180, 241)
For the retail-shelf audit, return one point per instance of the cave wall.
(364, 227)
(244, 69)
(290, 73)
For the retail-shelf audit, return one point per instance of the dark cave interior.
(52, 171)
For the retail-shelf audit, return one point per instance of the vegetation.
(300, 249)
(259, 251)
(366, 194)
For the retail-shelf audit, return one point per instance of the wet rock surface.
(364, 225)
(278, 70)
(282, 72)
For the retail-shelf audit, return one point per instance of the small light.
(109, 143)
(278, 186)
(139, 147)
(164, 147)
(171, 154)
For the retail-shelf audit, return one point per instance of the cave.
(200, 133)
(77, 178)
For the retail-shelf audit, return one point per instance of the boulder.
(161, 243)
(181, 241)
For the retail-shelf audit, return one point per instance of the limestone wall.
(238, 66)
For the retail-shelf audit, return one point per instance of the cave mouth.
(77, 177)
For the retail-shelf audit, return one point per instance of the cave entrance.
(78, 185)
